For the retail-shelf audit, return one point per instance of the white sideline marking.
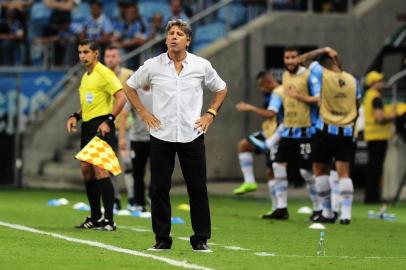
(266, 254)
(173, 262)
(236, 248)
(134, 229)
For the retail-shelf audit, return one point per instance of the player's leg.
(107, 193)
(344, 156)
(322, 158)
(305, 164)
(271, 184)
(246, 151)
(93, 196)
(139, 162)
(335, 191)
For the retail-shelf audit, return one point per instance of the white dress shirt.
(177, 100)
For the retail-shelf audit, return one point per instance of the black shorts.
(257, 139)
(89, 130)
(328, 147)
(295, 151)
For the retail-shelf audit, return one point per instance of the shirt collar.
(185, 61)
(300, 70)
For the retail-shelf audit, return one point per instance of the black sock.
(93, 195)
(107, 193)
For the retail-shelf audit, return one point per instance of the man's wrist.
(212, 112)
(110, 119)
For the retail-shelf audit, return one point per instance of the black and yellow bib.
(338, 98)
(296, 113)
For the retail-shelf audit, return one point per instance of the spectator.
(177, 11)
(11, 37)
(157, 28)
(60, 15)
(131, 34)
(98, 27)
(21, 8)
(58, 32)
(120, 20)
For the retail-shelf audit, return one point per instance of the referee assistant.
(101, 100)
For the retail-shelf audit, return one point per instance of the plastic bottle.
(322, 245)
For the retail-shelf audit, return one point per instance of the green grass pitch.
(237, 233)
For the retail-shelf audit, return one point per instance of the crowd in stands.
(28, 27)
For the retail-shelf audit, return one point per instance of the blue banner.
(34, 97)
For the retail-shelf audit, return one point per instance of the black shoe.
(160, 246)
(345, 221)
(279, 214)
(323, 219)
(106, 225)
(117, 204)
(314, 215)
(335, 216)
(201, 247)
(89, 223)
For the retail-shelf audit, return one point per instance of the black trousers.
(139, 162)
(376, 157)
(193, 165)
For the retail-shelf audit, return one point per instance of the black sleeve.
(377, 103)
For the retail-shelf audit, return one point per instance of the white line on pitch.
(136, 229)
(173, 262)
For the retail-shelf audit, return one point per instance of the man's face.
(379, 85)
(291, 61)
(131, 13)
(86, 56)
(265, 85)
(112, 58)
(176, 7)
(176, 39)
(95, 10)
(157, 21)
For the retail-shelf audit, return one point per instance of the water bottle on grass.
(322, 245)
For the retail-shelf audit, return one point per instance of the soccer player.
(101, 99)
(112, 59)
(299, 113)
(339, 93)
(255, 142)
(177, 127)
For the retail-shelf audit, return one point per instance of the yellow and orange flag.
(100, 154)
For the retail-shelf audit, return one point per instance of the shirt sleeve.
(139, 78)
(315, 79)
(108, 27)
(377, 103)
(275, 103)
(212, 80)
(114, 83)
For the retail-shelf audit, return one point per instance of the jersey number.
(305, 149)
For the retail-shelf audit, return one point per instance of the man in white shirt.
(176, 127)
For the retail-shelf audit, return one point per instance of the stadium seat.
(206, 34)
(110, 8)
(80, 12)
(156, 1)
(239, 14)
(39, 17)
(148, 9)
(39, 13)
